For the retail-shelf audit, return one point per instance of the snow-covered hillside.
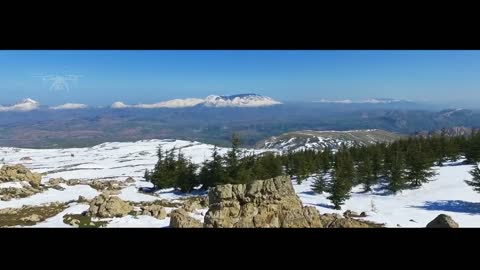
(117, 160)
(447, 193)
(320, 139)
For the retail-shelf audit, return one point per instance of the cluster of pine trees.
(399, 165)
(173, 170)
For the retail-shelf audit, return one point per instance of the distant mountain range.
(317, 140)
(249, 100)
(448, 132)
(212, 120)
(366, 101)
(241, 100)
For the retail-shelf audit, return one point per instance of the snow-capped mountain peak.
(241, 100)
(27, 104)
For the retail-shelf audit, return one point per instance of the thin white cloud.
(175, 103)
(69, 106)
(23, 106)
(371, 101)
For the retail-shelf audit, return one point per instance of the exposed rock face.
(32, 218)
(442, 221)
(9, 173)
(129, 180)
(194, 203)
(336, 221)
(106, 206)
(179, 218)
(350, 213)
(106, 185)
(13, 192)
(56, 181)
(82, 199)
(156, 211)
(73, 182)
(270, 203)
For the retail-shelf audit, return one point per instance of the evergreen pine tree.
(147, 175)
(395, 172)
(365, 174)
(376, 161)
(319, 185)
(418, 165)
(472, 149)
(475, 182)
(213, 171)
(232, 160)
(342, 177)
(185, 177)
(326, 157)
(267, 166)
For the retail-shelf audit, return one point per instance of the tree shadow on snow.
(324, 205)
(196, 192)
(309, 193)
(456, 163)
(457, 206)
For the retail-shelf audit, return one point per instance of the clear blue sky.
(153, 76)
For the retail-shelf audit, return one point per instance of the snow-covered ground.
(447, 193)
(52, 195)
(116, 160)
(57, 220)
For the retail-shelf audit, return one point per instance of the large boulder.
(179, 218)
(56, 181)
(11, 173)
(156, 211)
(442, 221)
(194, 203)
(106, 206)
(103, 185)
(270, 203)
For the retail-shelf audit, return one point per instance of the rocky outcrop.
(130, 180)
(442, 221)
(194, 203)
(179, 218)
(56, 181)
(269, 203)
(106, 185)
(15, 173)
(106, 206)
(156, 211)
(31, 218)
(82, 199)
(337, 221)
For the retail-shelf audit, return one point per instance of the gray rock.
(442, 221)
(179, 218)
